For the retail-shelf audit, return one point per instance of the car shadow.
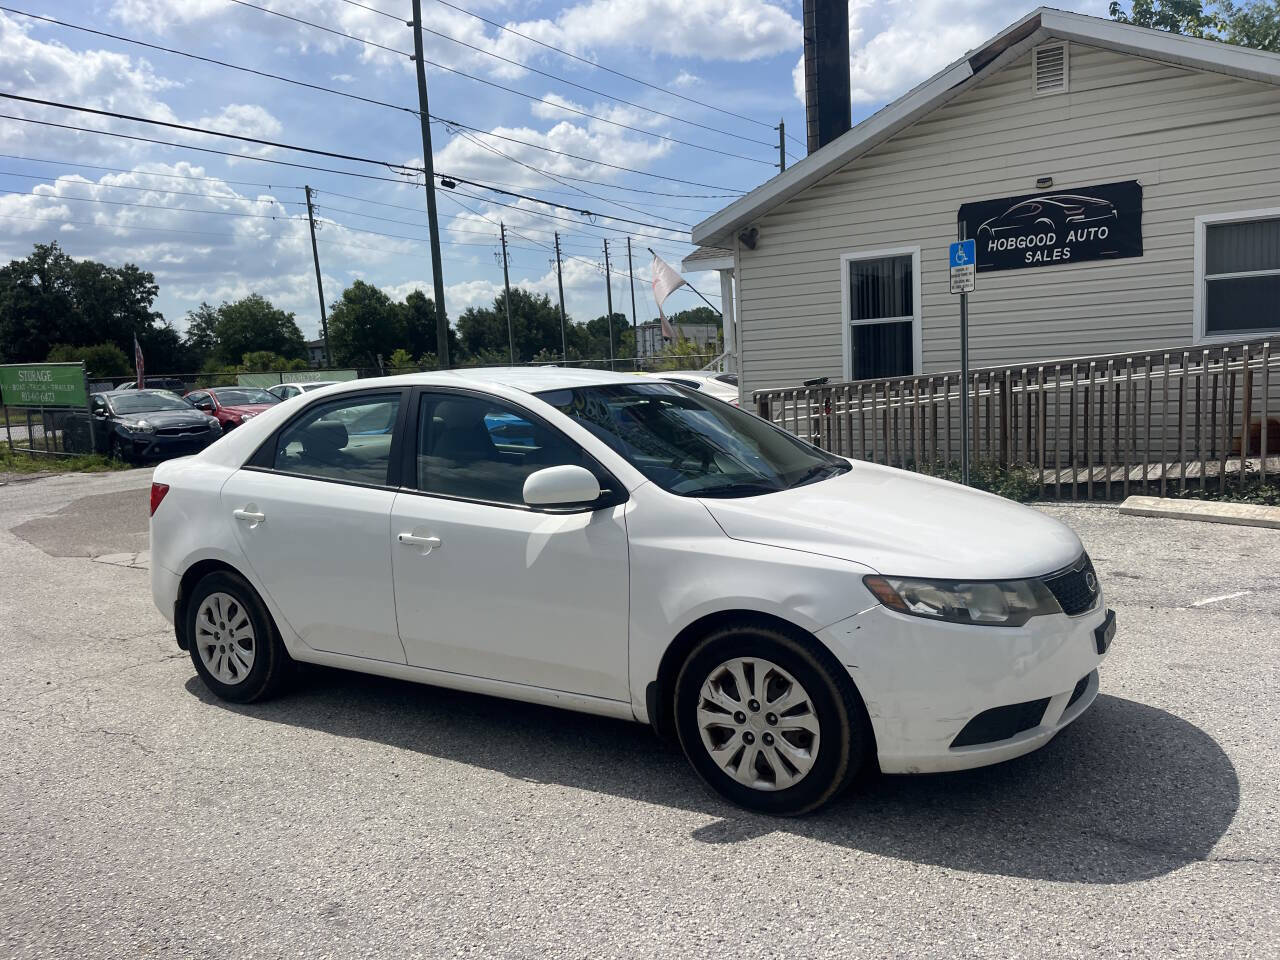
(1128, 792)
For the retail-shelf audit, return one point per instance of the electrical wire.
(498, 86)
(553, 76)
(599, 66)
(390, 165)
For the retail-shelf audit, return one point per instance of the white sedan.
(286, 390)
(632, 549)
(722, 386)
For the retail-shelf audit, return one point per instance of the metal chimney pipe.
(827, 106)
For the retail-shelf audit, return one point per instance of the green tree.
(535, 327)
(102, 361)
(701, 314)
(201, 338)
(49, 298)
(1255, 24)
(401, 359)
(364, 324)
(591, 339)
(252, 324)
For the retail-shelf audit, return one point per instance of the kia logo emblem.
(1091, 581)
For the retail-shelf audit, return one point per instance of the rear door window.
(348, 440)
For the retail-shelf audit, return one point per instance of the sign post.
(964, 272)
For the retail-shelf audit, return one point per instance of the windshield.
(147, 402)
(694, 446)
(234, 398)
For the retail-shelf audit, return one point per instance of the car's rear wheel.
(769, 719)
(233, 643)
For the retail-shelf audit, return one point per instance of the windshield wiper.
(823, 471)
(735, 490)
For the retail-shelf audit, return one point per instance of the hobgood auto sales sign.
(1102, 222)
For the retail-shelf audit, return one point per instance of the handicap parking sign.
(964, 267)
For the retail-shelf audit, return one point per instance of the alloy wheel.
(225, 638)
(758, 723)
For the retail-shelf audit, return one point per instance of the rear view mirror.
(562, 486)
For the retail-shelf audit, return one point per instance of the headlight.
(246, 416)
(140, 426)
(994, 603)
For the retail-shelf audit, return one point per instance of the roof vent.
(1049, 69)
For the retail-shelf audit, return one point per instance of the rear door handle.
(427, 543)
(248, 516)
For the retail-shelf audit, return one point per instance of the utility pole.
(782, 144)
(506, 297)
(315, 256)
(631, 271)
(437, 271)
(608, 292)
(564, 343)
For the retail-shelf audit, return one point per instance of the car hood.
(903, 524)
(240, 409)
(167, 418)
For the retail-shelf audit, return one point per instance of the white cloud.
(734, 30)
(343, 78)
(686, 79)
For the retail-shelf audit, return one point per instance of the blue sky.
(215, 228)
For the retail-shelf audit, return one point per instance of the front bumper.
(924, 682)
(142, 446)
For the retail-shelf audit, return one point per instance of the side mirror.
(205, 405)
(562, 486)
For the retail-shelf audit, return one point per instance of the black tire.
(115, 449)
(271, 663)
(846, 742)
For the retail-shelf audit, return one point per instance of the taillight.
(158, 490)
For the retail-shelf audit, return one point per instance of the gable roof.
(1011, 43)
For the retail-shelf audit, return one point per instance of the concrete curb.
(1208, 511)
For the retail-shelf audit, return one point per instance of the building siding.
(1197, 142)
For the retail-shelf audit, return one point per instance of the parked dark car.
(172, 384)
(149, 425)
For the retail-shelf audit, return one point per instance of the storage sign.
(1102, 222)
(43, 385)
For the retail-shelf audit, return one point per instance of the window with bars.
(1242, 278)
(882, 316)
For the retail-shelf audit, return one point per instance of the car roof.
(136, 393)
(527, 379)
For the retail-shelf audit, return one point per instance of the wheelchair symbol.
(961, 257)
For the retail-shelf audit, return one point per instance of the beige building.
(1123, 186)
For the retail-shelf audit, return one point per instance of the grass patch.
(1249, 490)
(11, 462)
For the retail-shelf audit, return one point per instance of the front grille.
(1001, 723)
(1076, 588)
(180, 431)
(1080, 688)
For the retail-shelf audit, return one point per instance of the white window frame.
(1198, 334)
(846, 312)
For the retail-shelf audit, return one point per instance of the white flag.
(665, 280)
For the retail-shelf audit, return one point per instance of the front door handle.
(427, 543)
(248, 516)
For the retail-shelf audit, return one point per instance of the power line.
(560, 79)
(324, 89)
(173, 193)
(150, 173)
(499, 86)
(598, 66)
(390, 165)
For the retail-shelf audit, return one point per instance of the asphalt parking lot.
(363, 817)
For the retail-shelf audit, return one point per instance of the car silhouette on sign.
(1057, 213)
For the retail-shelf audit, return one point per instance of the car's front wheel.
(233, 643)
(769, 719)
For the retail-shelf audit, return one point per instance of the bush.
(1013, 483)
(1249, 490)
(102, 361)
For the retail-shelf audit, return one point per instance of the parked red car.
(232, 405)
